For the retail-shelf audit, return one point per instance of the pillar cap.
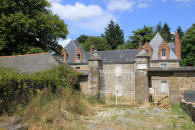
(142, 53)
(95, 56)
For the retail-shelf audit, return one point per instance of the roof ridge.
(25, 55)
(118, 50)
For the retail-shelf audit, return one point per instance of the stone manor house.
(149, 74)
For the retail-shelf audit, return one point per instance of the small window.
(77, 67)
(163, 53)
(164, 87)
(78, 58)
(164, 66)
(147, 52)
(62, 58)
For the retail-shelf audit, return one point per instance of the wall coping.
(156, 61)
(179, 69)
(183, 101)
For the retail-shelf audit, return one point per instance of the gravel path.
(127, 118)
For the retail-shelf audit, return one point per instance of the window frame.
(163, 54)
(164, 87)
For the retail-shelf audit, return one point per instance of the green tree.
(188, 47)
(128, 45)
(142, 35)
(164, 32)
(158, 28)
(82, 38)
(114, 35)
(28, 26)
(99, 43)
(180, 32)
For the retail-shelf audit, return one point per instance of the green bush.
(19, 88)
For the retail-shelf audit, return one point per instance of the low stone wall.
(178, 82)
(189, 108)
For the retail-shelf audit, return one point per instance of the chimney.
(177, 46)
(140, 46)
(92, 48)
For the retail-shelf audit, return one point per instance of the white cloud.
(143, 5)
(88, 18)
(98, 23)
(77, 11)
(120, 5)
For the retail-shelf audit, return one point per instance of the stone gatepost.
(95, 66)
(141, 77)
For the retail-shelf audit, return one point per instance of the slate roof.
(119, 56)
(30, 63)
(110, 56)
(71, 47)
(155, 43)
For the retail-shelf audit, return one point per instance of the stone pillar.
(95, 66)
(141, 77)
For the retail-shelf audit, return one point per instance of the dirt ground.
(136, 118)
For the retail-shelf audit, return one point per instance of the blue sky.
(90, 17)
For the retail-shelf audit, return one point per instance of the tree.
(99, 43)
(82, 38)
(28, 26)
(188, 47)
(164, 32)
(180, 32)
(128, 45)
(114, 35)
(142, 35)
(159, 28)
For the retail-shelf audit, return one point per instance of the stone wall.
(84, 84)
(169, 64)
(80, 67)
(177, 81)
(189, 108)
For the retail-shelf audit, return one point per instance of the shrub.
(19, 88)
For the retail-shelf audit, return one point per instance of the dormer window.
(62, 58)
(147, 52)
(163, 54)
(78, 58)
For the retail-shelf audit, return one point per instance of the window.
(164, 87)
(77, 67)
(62, 58)
(163, 53)
(164, 66)
(78, 58)
(147, 52)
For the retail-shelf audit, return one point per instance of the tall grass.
(19, 89)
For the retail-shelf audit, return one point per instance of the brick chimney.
(92, 48)
(140, 46)
(177, 46)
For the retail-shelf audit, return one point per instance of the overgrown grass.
(18, 88)
(95, 100)
(188, 124)
(54, 111)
